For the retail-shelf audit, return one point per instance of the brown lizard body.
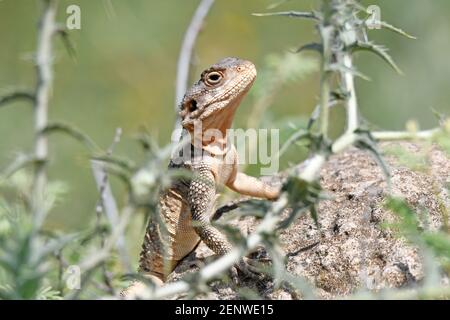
(186, 208)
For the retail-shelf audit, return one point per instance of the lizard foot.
(251, 267)
(247, 267)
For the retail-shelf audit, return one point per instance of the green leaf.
(314, 215)
(378, 50)
(233, 234)
(68, 44)
(21, 162)
(48, 293)
(311, 47)
(292, 14)
(293, 215)
(72, 131)
(344, 69)
(123, 163)
(440, 116)
(298, 135)
(334, 101)
(396, 30)
(366, 142)
(54, 245)
(300, 192)
(15, 96)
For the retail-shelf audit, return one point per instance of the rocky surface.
(351, 249)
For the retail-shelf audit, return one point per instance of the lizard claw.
(247, 269)
(234, 275)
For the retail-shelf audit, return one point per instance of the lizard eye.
(213, 78)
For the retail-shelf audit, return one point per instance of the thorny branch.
(93, 261)
(44, 57)
(107, 202)
(406, 135)
(186, 52)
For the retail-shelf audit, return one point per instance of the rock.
(351, 249)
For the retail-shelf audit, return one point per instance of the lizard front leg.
(201, 197)
(254, 187)
(251, 186)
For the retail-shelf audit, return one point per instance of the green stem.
(352, 102)
(325, 80)
(405, 135)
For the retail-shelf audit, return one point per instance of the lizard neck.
(212, 134)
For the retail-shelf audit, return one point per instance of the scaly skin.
(186, 208)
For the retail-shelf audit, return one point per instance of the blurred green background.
(124, 74)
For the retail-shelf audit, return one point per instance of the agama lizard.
(187, 206)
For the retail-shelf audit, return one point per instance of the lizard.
(207, 112)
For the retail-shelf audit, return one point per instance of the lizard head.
(215, 97)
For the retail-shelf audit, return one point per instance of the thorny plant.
(28, 253)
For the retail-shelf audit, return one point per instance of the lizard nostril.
(193, 106)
